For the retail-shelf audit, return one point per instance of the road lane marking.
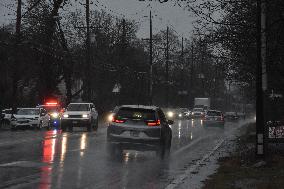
(187, 173)
(190, 144)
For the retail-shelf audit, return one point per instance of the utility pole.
(167, 66)
(15, 69)
(260, 78)
(151, 63)
(87, 81)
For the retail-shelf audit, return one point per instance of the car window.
(198, 109)
(135, 114)
(214, 113)
(78, 107)
(28, 112)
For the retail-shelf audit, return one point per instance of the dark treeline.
(49, 59)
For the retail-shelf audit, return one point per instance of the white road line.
(194, 142)
(12, 163)
(182, 177)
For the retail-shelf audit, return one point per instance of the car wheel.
(89, 126)
(39, 127)
(114, 151)
(96, 125)
(63, 127)
(163, 151)
(13, 128)
(70, 128)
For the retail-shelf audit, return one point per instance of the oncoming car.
(80, 115)
(140, 128)
(30, 117)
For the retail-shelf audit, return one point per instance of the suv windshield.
(78, 107)
(51, 108)
(198, 109)
(136, 114)
(213, 113)
(28, 112)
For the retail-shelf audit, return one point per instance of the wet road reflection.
(80, 159)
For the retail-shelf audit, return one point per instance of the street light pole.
(151, 63)
(260, 78)
(167, 66)
(88, 56)
(15, 63)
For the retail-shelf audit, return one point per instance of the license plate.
(134, 133)
(23, 121)
(74, 122)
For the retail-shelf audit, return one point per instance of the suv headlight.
(85, 116)
(65, 115)
(55, 115)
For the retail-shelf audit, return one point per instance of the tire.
(70, 128)
(163, 151)
(90, 126)
(39, 126)
(96, 125)
(63, 127)
(13, 128)
(114, 151)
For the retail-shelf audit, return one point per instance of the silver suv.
(141, 128)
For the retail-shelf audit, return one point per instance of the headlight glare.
(55, 115)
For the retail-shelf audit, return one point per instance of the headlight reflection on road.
(179, 128)
(126, 157)
(191, 136)
(192, 123)
(83, 144)
(201, 122)
(63, 147)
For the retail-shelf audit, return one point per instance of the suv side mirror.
(42, 114)
(170, 122)
(93, 109)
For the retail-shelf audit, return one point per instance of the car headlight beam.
(54, 115)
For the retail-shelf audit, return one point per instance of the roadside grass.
(243, 170)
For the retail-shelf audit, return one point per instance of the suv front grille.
(75, 116)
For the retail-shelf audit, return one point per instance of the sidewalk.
(242, 170)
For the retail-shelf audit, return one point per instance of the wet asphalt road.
(51, 159)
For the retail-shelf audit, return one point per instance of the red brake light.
(118, 120)
(51, 103)
(155, 123)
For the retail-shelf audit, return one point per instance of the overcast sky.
(164, 14)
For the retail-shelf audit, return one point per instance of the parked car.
(214, 118)
(231, 116)
(29, 117)
(6, 115)
(141, 128)
(80, 115)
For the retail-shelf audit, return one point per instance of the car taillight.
(118, 120)
(154, 123)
